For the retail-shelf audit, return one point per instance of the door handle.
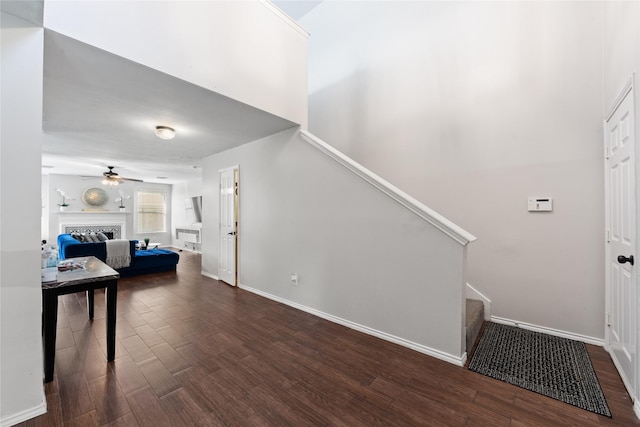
(233, 233)
(622, 259)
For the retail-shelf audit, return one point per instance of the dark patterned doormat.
(552, 366)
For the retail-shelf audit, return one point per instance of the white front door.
(228, 226)
(621, 238)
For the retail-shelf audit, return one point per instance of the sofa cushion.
(151, 261)
(68, 247)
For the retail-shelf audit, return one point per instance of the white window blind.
(151, 212)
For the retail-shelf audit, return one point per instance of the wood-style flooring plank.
(158, 376)
(280, 408)
(148, 409)
(128, 420)
(149, 335)
(185, 411)
(193, 351)
(75, 399)
(90, 419)
(137, 348)
(108, 400)
(129, 376)
(218, 395)
(173, 338)
(170, 358)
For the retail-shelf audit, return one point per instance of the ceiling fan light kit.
(165, 132)
(112, 179)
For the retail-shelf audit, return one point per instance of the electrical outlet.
(294, 279)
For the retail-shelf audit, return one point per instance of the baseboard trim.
(209, 275)
(459, 361)
(625, 382)
(181, 249)
(550, 331)
(24, 415)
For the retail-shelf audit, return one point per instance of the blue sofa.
(142, 261)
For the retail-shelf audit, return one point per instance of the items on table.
(71, 264)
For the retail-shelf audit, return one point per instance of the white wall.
(73, 186)
(359, 255)
(472, 107)
(182, 214)
(621, 48)
(245, 50)
(21, 369)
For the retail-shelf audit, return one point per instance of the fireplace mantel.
(94, 220)
(92, 213)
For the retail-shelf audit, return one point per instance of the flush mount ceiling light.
(165, 132)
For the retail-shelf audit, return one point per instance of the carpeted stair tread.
(474, 319)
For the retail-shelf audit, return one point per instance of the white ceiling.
(100, 109)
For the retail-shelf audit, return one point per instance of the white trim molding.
(449, 228)
(286, 18)
(473, 293)
(459, 361)
(625, 90)
(14, 419)
(550, 331)
(209, 275)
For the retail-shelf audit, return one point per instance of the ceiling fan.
(112, 178)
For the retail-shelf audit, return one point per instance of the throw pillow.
(101, 236)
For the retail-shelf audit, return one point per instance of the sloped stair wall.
(363, 258)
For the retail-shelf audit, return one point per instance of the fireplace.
(112, 224)
(112, 231)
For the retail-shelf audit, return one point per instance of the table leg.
(111, 295)
(90, 303)
(50, 320)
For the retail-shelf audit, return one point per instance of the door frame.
(628, 90)
(236, 169)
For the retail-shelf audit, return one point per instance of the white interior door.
(621, 231)
(228, 226)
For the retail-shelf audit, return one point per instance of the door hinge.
(609, 319)
(608, 236)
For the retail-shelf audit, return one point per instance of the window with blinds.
(152, 212)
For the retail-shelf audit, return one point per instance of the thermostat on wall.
(542, 204)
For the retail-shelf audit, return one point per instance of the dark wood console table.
(95, 275)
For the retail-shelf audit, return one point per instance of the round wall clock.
(94, 197)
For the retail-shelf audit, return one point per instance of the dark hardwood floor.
(192, 351)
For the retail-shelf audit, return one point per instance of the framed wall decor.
(94, 197)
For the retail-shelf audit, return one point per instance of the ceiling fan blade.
(110, 175)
